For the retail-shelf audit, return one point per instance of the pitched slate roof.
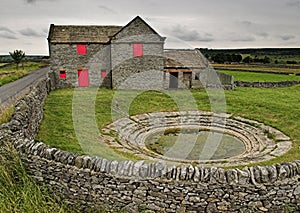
(91, 34)
(184, 58)
(136, 22)
(84, 34)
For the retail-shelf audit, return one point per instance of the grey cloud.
(246, 23)
(30, 1)
(287, 37)
(45, 31)
(30, 33)
(34, 1)
(293, 3)
(7, 33)
(247, 38)
(186, 34)
(262, 34)
(6, 29)
(254, 29)
(106, 9)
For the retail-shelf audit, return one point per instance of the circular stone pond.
(163, 143)
(196, 137)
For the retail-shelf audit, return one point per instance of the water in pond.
(194, 144)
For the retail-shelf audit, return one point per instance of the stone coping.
(266, 84)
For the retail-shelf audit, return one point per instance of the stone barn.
(185, 68)
(130, 56)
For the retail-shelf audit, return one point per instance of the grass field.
(5, 113)
(260, 77)
(19, 192)
(277, 107)
(10, 73)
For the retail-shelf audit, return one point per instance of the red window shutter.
(137, 49)
(81, 49)
(62, 74)
(103, 74)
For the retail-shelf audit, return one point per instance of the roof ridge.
(169, 49)
(91, 25)
(81, 33)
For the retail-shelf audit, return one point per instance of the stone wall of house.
(65, 57)
(122, 52)
(143, 72)
(97, 59)
(127, 67)
(266, 84)
(86, 181)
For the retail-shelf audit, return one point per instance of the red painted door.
(83, 78)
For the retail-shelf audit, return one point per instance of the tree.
(17, 56)
(219, 58)
(267, 60)
(237, 58)
(247, 60)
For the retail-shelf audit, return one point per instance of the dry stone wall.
(266, 84)
(89, 182)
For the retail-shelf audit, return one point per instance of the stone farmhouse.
(132, 56)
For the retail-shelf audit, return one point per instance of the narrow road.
(10, 91)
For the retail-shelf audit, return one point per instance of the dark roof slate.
(81, 34)
(184, 58)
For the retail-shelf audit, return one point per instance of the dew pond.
(194, 144)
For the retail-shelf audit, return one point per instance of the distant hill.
(273, 55)
(254, 51)
(36, 58)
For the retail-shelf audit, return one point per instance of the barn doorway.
(173, 80)
(187, 79)
(83, 78)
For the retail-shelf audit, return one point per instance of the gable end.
(137, 29)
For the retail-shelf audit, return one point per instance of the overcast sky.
(24, 24)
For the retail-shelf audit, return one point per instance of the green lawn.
(277, 107)
(10, 73)
(260, 77)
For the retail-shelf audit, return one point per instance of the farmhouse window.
(81, 49)
(62, 74)
(103, 73)
(137, 50)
